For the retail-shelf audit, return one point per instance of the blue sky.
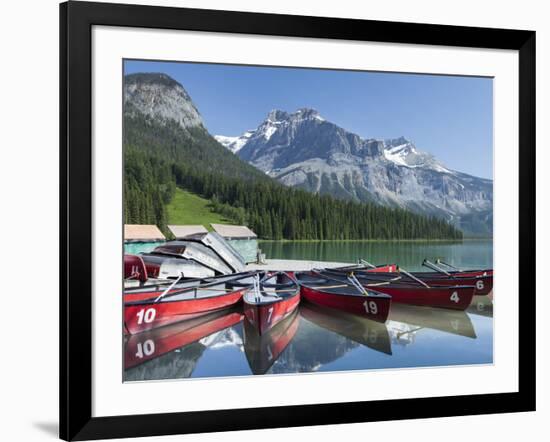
(448, 116)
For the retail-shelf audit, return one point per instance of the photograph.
(292, 220)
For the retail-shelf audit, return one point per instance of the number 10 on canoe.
(146, 315)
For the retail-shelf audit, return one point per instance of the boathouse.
(142, 233)
(180, 232)
(244, 240)
(141, 237)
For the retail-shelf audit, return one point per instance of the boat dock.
(294, 265)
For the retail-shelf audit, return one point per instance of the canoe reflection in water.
(359, 329)
(407, 320)
(262, 350)
(150, 345)
(481, 305)
(312, 338)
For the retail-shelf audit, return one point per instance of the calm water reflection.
(313, 339)
(409, 255)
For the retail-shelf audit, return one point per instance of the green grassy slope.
(188, 208)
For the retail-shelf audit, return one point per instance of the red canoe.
(481, 279)
(154, 343)
(134, 268)
(271, 300)
(157, 287)
(187, 303)
(453, 297)
(383, 268)
(342, 295)
(483, 283)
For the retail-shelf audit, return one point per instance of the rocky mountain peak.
(160, 97)
(276, 115)
(393, 142)
(307, 114)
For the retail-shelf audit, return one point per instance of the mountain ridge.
(302, 149)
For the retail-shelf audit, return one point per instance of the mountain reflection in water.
(312, 339)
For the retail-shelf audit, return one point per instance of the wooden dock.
(294, 265)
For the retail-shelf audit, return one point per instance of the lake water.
(315, 339)
(408, 254)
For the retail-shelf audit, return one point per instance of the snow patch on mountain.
(234, 144)
(397, 155)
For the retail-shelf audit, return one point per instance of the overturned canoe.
(195, 251)
(221, 247)
(162, 266)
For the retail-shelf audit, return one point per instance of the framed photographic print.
(273, 220)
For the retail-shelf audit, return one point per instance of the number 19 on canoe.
(146, 315)
(370, 307)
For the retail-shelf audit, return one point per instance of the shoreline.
(453, 241)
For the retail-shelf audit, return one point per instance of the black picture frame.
(76, 21)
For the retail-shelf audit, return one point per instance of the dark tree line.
(148, 187)
(274, 211)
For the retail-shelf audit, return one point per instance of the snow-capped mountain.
(303, 149)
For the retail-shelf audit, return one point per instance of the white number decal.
(147, 348)
(146, 316)
(480, 285)
(269, 313)
(454, 324)
(371, 307)
(455, 298)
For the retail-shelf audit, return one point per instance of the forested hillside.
(276, 212)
